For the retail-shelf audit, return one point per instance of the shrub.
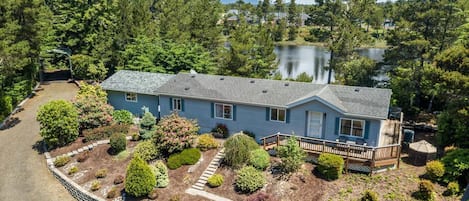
(122, 117)
(206, 142)
(101, 173)
(174, 133)
(139, 178)
(61, 161)
(104, 132)
(260, 196)
(426, 190)
(96, 185)
(215, 180)
(119, 179)
(174, 162)
(221, 130)
(59, 123)
(92, 107)
(135, 136)
(435, 169)
(452, 188)
(148, 121)
(238, 149)
(153, 194)
(161, 174)
(114, 192)
(292, 155)
(73, 170)
(330, 166)
(118, 142)
(260, 159)
(146, 150)
(456, 164)
(249, 179)
(83, 156)
(369, 195)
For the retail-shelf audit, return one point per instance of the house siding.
(253, 119)
(117, 100)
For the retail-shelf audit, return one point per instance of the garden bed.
(116, 165)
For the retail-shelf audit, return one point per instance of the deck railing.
(348, 151)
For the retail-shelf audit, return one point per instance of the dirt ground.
(24, 173)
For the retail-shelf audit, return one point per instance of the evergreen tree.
(293, 18)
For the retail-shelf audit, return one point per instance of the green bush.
(59, 123)
(186, 157)
(104, 132)
(330, 166)
(238, 149)
(206, 142)
(93, 109)
(101, 173)
(221, 131)
(260, 159)
(148, 121)
(249, 179)
(456, 163)
(175, 133)
(215, 180)
(161, 174)
(426, 191)
(122, 117)
(435, 170)
(146, 150)
(292, 155)
(73, 170)
(118, 142)
(114, 192)
(61, 161)
(95, 185)
(140, 179)
(452, 188)
(369, 195)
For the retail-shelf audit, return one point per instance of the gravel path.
(23, 170)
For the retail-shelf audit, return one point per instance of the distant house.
(262, 106)
(282, 15)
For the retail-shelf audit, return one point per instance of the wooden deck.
(370, 156)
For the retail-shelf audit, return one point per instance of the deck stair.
(210, 170)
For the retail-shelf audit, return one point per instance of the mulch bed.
(78, 143)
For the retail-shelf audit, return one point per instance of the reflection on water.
(294, 60)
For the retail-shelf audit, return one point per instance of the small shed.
(421, 152)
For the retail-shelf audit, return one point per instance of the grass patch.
(122, 155)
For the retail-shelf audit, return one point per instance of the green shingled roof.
(135, 81)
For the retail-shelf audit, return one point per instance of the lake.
(294, 60)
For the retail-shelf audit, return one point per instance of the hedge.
(330, 166)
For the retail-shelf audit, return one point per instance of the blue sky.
(297, 1)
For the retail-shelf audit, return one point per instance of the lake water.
(294, 60)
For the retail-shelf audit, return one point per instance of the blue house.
(351, 114)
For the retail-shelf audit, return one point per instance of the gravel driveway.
(23, 171)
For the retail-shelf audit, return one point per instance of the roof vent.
(287, 84)
(187, 88)
(222, 78)
(192, 76)
(264, 91)
(252, 81)
(357, 90)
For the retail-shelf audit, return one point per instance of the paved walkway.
(23, 171)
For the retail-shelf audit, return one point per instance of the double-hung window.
(224, 111)
(131, 97)
(352, 127)
(277, 114)
(177, 104)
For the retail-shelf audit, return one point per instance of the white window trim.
(127, 99)
(278, 109)
(174, 105)
(351, 128)
(223, 107)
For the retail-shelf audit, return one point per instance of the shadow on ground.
(39, 147)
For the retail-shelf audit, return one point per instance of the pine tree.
(293, 17)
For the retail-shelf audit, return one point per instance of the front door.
(314, 124)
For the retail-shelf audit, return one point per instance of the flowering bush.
(174, 133)
(92, 107)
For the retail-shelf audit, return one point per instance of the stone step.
(197, 187)
(203, 179)
(200, 183)
(210, 172)
(206, 175)
(211, 169)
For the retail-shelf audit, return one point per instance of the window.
(177, 105)
(131, 97)
(352, 127)
(277, 114)
(223, 111)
